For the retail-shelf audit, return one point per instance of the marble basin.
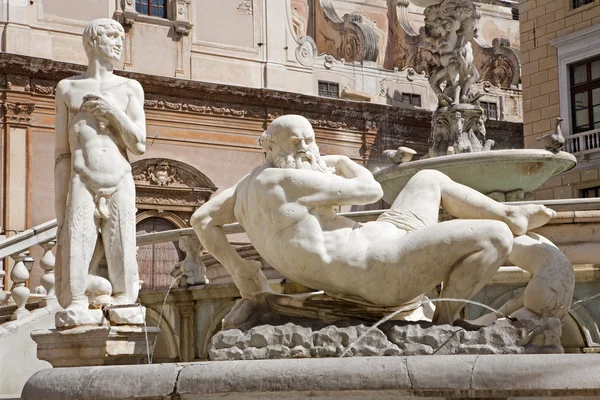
(488, 171)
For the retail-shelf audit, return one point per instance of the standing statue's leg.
(118, 236)
(77, 241)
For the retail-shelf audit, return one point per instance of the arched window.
(156, 261)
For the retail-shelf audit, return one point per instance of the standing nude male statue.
(287, 207)
(99, 117)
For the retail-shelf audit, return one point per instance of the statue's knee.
(500, 238)
(430, 176)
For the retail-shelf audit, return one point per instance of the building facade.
(215, 73)
(560, 52)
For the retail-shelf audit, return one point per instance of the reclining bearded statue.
(287, 207)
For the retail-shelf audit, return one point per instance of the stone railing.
(583, 143)
(17, 248)
(193, 268)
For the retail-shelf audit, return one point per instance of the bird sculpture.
(399, 156)
(553, 141)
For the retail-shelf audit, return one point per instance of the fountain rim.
(492, 156)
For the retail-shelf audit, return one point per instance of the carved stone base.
(70, 318)
(390, 339)
(130, 314)
(94, 345)
(459, 129)
(317, 307)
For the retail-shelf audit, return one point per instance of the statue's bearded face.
(297, 149)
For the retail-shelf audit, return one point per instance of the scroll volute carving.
(407, 48)
(352, 38)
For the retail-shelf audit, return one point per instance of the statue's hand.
(251, 281)
(101, 106)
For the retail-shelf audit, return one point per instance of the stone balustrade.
(193, 267)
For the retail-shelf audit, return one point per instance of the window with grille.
(329, 89)
(154, 8)
(515, 13)
(578, 3)
(589, 192)
(411, 98)
(585, 95)
(490, 110)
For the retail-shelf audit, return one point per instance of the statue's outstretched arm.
(208, 223)
(62, 155)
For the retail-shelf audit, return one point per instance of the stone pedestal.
(459, 129)
(94, 345)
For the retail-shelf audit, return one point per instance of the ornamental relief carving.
(163, 181)
(19, 113)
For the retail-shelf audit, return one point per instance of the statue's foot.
(120, 299)
(521, 219)
(79, 303)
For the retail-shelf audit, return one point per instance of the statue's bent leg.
(118, 236)
(428, 189)
(462, 253)
(493, 243)
(75, 249)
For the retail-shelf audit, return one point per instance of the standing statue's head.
(289, 142)
(103, 39)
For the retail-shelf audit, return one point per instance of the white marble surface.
(288, 209)
(99, 118)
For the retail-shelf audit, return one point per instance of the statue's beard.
(306, 160)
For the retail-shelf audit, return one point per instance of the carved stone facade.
(18, 113)
(170, 184)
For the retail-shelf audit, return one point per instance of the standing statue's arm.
(129, 125)
(208, 223)
(62, 156)
(132, 125)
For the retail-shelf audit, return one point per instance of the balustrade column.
(20, 275)
(3, 295)
(47, 279)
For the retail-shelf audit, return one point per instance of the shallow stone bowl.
(486, 172)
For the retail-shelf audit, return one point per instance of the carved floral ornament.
(18, 112)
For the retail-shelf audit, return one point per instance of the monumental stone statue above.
(99, 118)
(287, 207)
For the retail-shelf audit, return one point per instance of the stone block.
(589, 174)
(424, 372)
(70, 318)
(129, 315)
(94, 345)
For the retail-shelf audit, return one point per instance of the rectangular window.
(585, 95)
(515, 13)
(411, 98)
(578, 3)
(490, 110)
(589, 192)
(329, 89)
(154, 8)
